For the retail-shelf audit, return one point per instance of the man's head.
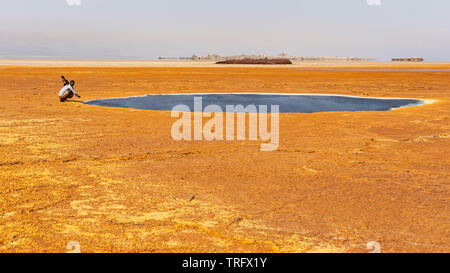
(72, 83)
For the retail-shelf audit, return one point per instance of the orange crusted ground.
(115, 181)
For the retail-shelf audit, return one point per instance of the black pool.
(288, 103)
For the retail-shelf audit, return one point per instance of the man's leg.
(66, 95)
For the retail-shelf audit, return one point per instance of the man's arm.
(65, 81)
(74, 92)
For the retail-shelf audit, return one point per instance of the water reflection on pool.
(288, 103)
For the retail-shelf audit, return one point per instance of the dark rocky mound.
(415, 59)
(256, 61)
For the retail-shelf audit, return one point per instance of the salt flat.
(114, 180)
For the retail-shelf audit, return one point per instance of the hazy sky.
(143, 29)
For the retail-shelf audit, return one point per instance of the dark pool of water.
(288, 103)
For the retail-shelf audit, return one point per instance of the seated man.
(67, 91)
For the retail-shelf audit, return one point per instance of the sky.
(147, 29)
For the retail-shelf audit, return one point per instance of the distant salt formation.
(413, 59)
(256, 61)
(216, 57)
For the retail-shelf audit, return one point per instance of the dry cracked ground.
(115, 181)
